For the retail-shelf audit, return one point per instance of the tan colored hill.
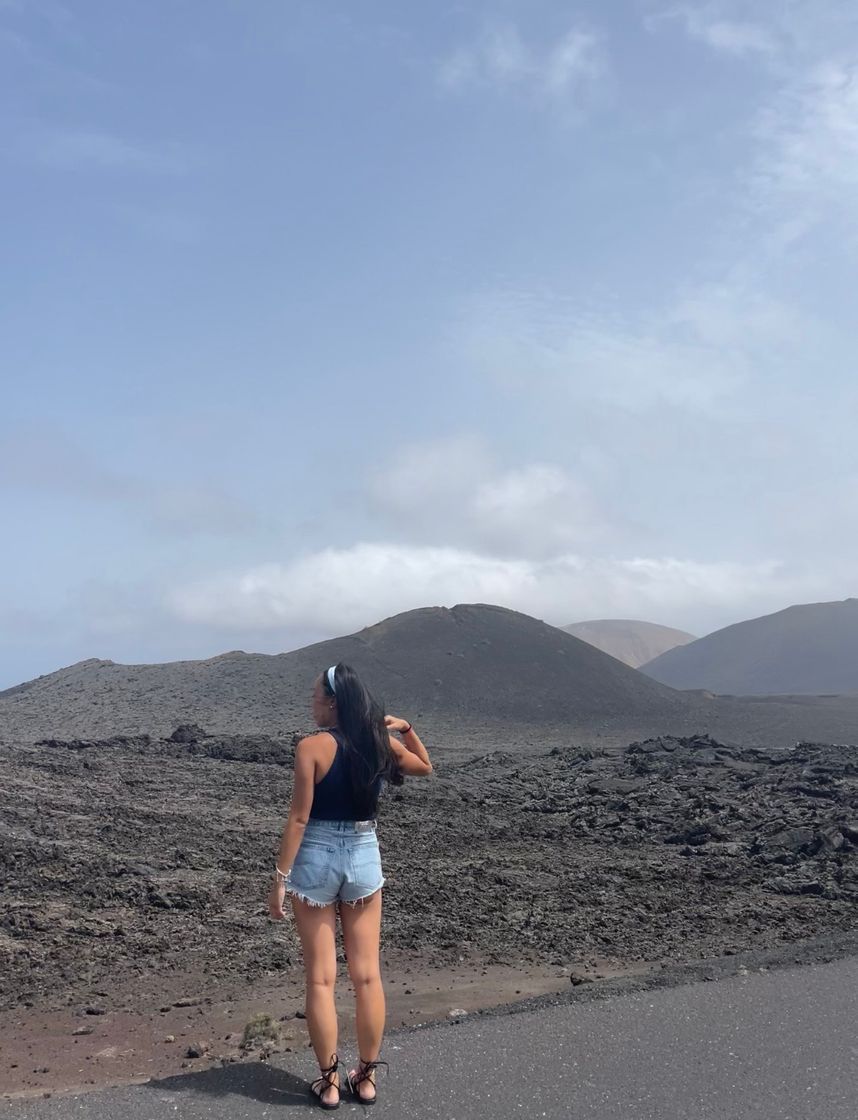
(629, 640)
(810, 649)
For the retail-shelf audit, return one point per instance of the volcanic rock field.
(583, 823)
(137, 860)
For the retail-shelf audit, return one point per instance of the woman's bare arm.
(302, 801)
(293, 831)
(410, 754)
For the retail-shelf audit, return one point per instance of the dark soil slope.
(472, 663)
(629, 640)
(809, 649)
(496, 663)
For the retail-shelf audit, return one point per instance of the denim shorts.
(338, 861)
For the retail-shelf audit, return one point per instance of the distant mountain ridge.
(475, 663)
(808, 649)
(629, 640)
(475, 677)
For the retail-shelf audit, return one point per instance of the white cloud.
(537, 508)
(709, 24)
(571, 70)
(695, 354)
(574, 62)
(738, 38)
(455, 492)
(809, 136)
(777, 33)
(805, 126)
(337, 590)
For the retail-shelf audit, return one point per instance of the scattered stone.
(833, 838)
(260, 1031)
(614, 785)
(187, 733)
(795, 840)
(580, 978)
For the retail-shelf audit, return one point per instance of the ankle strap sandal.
(324, 1082)
(363, 1074)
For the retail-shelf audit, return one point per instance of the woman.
(329, 860)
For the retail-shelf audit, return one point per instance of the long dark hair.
(361, 721)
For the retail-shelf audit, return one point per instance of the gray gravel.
(777, 1045)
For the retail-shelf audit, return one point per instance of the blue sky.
(313, 313)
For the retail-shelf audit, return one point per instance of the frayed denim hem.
(305, 898)
(353, 902)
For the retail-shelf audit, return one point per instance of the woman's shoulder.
(319, 740)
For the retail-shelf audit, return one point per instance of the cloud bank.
(338, 590)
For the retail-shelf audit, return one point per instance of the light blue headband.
(332, 674)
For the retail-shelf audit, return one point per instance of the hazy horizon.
(313, 316)
(312, 641)
(271, 652)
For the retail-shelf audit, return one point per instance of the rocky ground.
(141, 866)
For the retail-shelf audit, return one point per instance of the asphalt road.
(780, 1045)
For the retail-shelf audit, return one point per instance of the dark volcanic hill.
(476, 664)
(629, 640)
(810, 649)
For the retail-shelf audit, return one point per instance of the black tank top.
(333, 799)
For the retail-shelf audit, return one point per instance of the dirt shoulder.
(60, 1052)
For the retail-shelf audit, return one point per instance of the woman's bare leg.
(317, 928)
(362, 940)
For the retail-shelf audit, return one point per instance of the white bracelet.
(282, 876)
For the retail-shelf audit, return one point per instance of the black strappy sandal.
(324, 1082)
(363, 1074)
